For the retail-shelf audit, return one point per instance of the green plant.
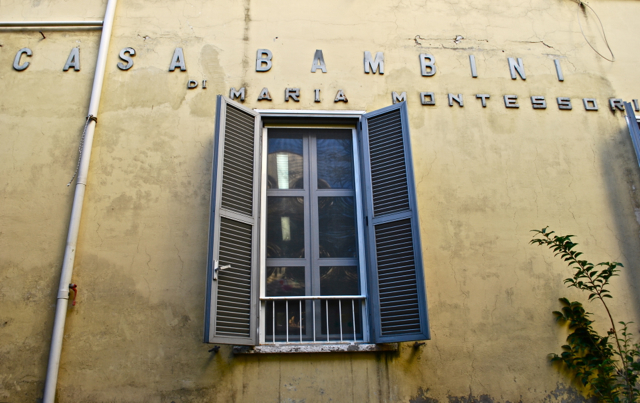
(606, 365)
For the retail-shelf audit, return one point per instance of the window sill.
(315, 348)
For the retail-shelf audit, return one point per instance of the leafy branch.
(593, 357)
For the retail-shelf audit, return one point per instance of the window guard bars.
(327, 326)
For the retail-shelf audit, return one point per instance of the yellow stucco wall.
(485, 177)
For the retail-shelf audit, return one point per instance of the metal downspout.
(76, 211)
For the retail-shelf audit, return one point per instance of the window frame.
(359, 204)
(396, 305)
(633, 123)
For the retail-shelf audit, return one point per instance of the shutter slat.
(239, 159)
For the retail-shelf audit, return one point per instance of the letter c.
(16, 62)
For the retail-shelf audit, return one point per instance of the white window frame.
(357, 172)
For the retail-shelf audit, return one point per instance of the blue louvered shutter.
(397, 295)
(231, 314)
(634, 129)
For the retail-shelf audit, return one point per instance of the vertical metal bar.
(314, 320)
(340, 316)
(360, 203)
(286, 318)
(353, 318)
(300, 321)
(263, 233)
(326, 304)
(273, 304)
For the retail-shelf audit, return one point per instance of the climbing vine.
(606, 365)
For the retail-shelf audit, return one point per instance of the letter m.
(373, 65)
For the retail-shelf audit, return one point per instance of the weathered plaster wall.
(485, 177)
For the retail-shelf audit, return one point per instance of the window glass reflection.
(285, 281)
(335, 162)
(284, 162)
(339, 280)
(336, 222)
(285, 227)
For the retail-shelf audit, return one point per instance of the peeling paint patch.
(565, 394)
(562, 394)
(421, 397)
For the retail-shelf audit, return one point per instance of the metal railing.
(314, 319)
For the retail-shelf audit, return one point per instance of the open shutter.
(233, 261)
(634, 129)
(397, 295)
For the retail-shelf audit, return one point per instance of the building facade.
(508, 117)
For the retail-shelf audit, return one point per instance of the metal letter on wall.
(316, 96)
(263, 60)
(191, 84)
(516, 67)
(483, 98)
(510, 101)
(564, 103)
(73, 60)
(395, 98)
(264, 95)
(474, 71)
(590, 104)
(16, 61)
(372, 65)
(427, 65)
(340, 97)
(558, 70)
(233, 94)
(425, 95)
(178, 60)
(538, 102)
(616, 103)
(456, 98)
(127, 58)
(318, 62)
(292, 93)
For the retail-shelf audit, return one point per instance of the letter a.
(178, 60)
(73, 60)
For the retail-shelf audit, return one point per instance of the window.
(634, 128)
(314, 234)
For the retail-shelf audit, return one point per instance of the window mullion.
(313, 204)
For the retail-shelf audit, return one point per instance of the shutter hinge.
(366, 221)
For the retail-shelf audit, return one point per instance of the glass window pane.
(284, 162)
(336, 219)
(339, 280)
(285, 227)
(335, 162)
(285, 281)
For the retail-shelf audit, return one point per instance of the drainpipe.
(76, 211)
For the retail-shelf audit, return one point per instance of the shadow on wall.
(622, 179)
